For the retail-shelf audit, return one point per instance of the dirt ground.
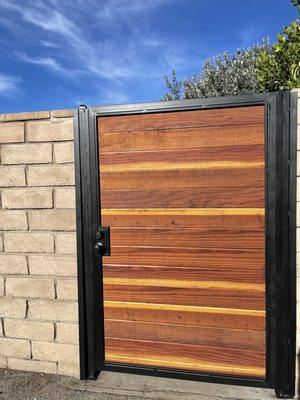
(20, 385)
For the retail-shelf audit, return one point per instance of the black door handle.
(102, 245)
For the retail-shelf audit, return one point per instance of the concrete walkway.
(19, 385)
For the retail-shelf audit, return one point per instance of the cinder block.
(51, 175)
(26, 329)
(55, 220)
(3, 362)
(32, 365)
(67, 289)
(13, 264)
(55, 352)
(52, 265)
(28, 242)
(12, 176)
(12, 308)
(27, 198)
(12, 132)
(1, 243)
(62, 113)
(36, 288)
(14, 348)
(68, 369)
(26, 153)
(24, 116)
(53, 310)
(13, 220)
(65, 243)
(67, 333)
(65, 198)
(64, 152)
(51, 130)
(1, 286)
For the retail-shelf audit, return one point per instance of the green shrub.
(222, 75)
(280, 69)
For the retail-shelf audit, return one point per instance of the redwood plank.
(201, 155)
(237, 273)
(184, 198)
(186, 354)
(197, 258)
(223, 116)
(185, 334)
(222, 319)
(183, 179)
(182, 138)
(188, 238)
(239, 299)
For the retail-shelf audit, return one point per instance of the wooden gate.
(189, 196)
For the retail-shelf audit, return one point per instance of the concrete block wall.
(38, 287)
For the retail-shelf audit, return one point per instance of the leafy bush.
(222, 75)
(280, 69)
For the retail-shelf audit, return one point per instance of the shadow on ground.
(19, 385)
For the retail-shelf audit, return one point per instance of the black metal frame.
(280, 118)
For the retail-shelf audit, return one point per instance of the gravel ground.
(20, 385)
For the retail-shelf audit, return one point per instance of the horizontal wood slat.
(201, 358)
(244, 299)
(199, 198)
(182, 138)
(205, 273)
(183, 179)
(188, 119)
(242, 154)
(197, 258)
(185, 334)
(186, 315)
(188, 238)
(128, 218)
(184, 195)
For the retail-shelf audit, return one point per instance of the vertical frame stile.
(87, 210)
(280, 121)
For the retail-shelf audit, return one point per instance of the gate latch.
(102, 245)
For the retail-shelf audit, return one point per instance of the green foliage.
(222, 75)
(280, 70)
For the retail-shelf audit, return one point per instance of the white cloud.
(47, 62)
(9, 85)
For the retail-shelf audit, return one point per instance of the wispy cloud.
(9, 85)
(74, 43)
(47, 62)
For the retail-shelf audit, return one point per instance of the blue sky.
(61, 53)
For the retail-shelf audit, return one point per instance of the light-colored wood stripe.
(158, 166)
(199, 366)
(175, 307)
(183, 211)
(257, 287)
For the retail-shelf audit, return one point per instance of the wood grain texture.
(181, 138)
(239, 154)
(185, 334)
(201, 358)
(188, 238)
(112, 217)
(213, 297)
(204, 274)
(196, 258)
(219, 177)
(183, 119)
(184, 195)
(184, 198)
(217, 317)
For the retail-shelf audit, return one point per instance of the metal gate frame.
(280, 145)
